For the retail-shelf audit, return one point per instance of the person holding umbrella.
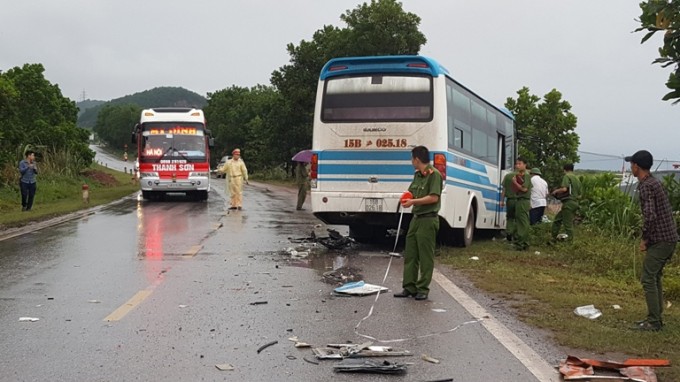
(302, 176)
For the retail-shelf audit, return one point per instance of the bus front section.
(173, 158)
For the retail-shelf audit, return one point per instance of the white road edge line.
(526, 355)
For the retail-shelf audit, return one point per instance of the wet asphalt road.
(164, 291)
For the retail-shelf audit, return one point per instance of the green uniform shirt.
(427, 182)
(301, 174)
(571, 182)
(527, 185)
(507, 185)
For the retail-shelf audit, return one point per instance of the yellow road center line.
(193, 251)
(124, 309)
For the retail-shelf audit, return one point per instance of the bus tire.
(465, 235)
(201, 195)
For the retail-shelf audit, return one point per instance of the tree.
(115, 123)
(545, 131)
(248, 118)
(33, 113)
(379, 28)
(664, 15)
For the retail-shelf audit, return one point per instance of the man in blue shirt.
(28, 170)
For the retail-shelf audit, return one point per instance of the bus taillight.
(314, 171)
(440, 164)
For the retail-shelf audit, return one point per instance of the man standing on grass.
(508, 199)
(567, 193)
(539, 193)
(659, 237)
(422, 231)
(27, 183)
(521, 186)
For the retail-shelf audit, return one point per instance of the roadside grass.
(544, 289)
(58, 195)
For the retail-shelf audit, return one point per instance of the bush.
(605, 206)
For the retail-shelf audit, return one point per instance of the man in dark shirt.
(28, 170)
(659, 237)
(422, 231)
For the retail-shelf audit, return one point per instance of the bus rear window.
(377, 98)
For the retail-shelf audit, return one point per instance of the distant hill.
(156, 97)
(87, 104)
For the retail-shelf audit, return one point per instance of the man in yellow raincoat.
(236, 173)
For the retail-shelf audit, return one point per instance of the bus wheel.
(201, 195)
(464, 236)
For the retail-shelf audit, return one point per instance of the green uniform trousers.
(302, 195)
(566, 215)
(510, 216)
(419, 257)
(657, 256)
(522, 207)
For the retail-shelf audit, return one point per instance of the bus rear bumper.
(379, 209)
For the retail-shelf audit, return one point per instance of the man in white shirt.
(539, 194)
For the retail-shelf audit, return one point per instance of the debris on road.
(266, 346)
(341, 351)
(359, 288)
(588, 311)
(335, 240)
(298, 343)
(438, 310)
(427, 358)
(310, 361)
(574, 368)
(29, 319)
(94, 301)
(259, 303)
(224, 367)
(369, 366)
(291, 357)
(342, 275)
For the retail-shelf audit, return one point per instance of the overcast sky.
(583, 48)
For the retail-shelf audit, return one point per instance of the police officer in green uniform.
(521, 184)
(422, 231)
(568, 193)
(302, 180)
(509, 194)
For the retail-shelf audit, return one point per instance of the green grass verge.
(544, 289)
(61, 195)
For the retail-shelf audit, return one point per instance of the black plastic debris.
(335, 240)
(351, 365)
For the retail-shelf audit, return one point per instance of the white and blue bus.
(371, 111)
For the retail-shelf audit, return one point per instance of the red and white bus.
(173, 146)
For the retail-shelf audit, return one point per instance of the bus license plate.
(374, 205)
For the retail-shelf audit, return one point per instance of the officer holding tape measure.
(426, 190)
